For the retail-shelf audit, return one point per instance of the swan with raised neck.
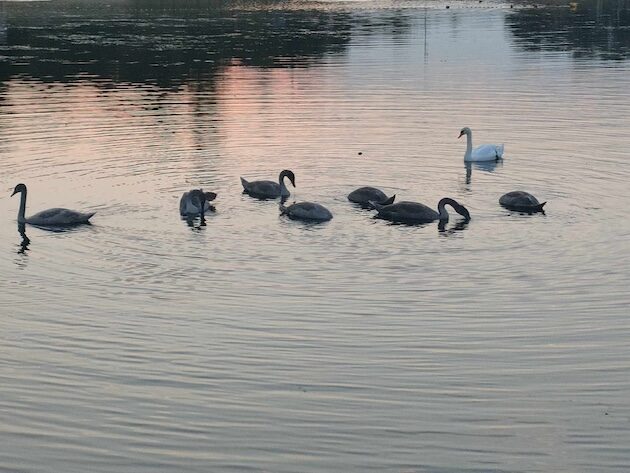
(486, 152)
(51, 217)
(269, 189)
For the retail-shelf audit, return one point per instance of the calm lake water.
(254, 343)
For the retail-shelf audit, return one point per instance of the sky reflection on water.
(139, 343)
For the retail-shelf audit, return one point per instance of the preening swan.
(308, 211)
(480, 153)
(414, 212)
(196, 202)
(521, 202)
(269, 189)
(51, 217)
(363, 196)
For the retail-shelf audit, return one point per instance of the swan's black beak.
(14, 192)
(461, 133)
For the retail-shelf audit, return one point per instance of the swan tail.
(539, 207)
(500, 149)
(244, 183)
(389, 201)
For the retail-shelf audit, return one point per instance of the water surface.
(143, 344)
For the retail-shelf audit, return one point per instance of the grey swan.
(363, 196)
(415, 212)
(521, 201)
(56, 217)
(269, 189)
(307, 211)
(196, 202)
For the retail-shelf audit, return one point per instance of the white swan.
(309, 211)
(195, 202)
(480, 153)
(269, 189)
(51, 217)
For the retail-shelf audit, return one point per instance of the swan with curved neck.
(269, 189)
(480, 153)
(51, 217)
(415, 212)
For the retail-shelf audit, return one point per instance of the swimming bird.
(521, 201)
(480, 153)
(308, 211)
(51, 217)
(269, 189)
(363, 195)
(196, 202)
(415, 212)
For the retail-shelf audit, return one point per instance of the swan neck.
(443, 213)
(22, 210)
(468, 144)
(283, 187)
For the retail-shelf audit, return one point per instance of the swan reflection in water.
(196, 222)
(487, 166)
(445, 231)
(25, 240)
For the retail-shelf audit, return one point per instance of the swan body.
(415, 212)
(521, 201)
(196, 202)
(480, 153)
(363, 196)
(309, 211)
(51, 217)
(269, 189)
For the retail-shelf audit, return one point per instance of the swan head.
(459, 208)
(463, 211)
(464, 131)
(289, 174)
(19, 188)
(210, 196)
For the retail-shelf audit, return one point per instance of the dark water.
(140, 344)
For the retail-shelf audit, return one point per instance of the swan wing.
(519, 199)
(188, 205)
(363, 195)
(183, 203)
(308, 211)
(59, 216)
(263, 188)
(487, 153)
(408, 212)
